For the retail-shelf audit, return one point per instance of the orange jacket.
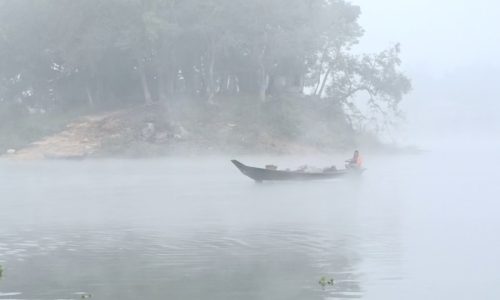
(359, 161)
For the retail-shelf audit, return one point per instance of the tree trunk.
(263, 84)
(210, 72)
(263, 77)
(162, 93)
(160, 63)
(226, 84)
(325, 79)
(144, 82)
(302, 83)
(90, 99)
(188, 75)
(91, 90)
(170, 75)
(171, 81)
(322, 61)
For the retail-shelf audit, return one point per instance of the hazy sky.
(451, 52)
(437, 36)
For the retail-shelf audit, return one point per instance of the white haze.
(198, 229)
(450, 51)
(413, 227)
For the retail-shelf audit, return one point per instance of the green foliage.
(1, 271)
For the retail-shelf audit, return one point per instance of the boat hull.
(260, 174)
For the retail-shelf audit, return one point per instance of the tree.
(67, 53)
(375, 78)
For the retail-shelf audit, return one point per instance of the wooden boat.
(261, 174)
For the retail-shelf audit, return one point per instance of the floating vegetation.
(84, 295)
(1, 271)
(324, 282)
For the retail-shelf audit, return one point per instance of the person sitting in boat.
(356, 162)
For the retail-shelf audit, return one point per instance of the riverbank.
(152, 131)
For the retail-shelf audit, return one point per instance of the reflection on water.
(177, 229)
(217, 264)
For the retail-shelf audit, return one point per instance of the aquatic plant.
(84, 295)
(1, 271)
(324, 281)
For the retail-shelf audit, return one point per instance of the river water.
(413, 227)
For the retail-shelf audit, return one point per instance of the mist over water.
(448, 51)
(421, 226)
(412, 227)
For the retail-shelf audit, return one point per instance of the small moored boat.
(271, 174)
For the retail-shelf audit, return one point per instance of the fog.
(189, 229)
(138, 199)
(449, 51)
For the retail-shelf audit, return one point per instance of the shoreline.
(148, 132)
